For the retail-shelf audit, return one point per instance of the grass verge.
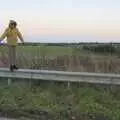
(56, 102)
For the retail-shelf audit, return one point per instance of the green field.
(84, 101)
(48, 50)
(58, 51)
(51, 51)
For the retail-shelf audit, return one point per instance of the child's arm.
(20, 36)
(3, 35)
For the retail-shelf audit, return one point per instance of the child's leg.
(14, 54)
(14, 57)
(10, 55)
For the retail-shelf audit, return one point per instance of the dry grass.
(66, 59)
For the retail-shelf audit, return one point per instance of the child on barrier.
(12, 34)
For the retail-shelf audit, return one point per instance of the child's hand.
(1, 42)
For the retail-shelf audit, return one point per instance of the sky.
(63, 20)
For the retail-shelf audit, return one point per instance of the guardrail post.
(9, 81)
(68, 85)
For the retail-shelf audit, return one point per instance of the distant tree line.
(98, 48)
(93, 47)
(101, 48)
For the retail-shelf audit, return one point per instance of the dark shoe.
(11, 68)
(15, 67)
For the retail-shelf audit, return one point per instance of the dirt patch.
(37, 114)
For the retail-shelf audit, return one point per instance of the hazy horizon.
(49, 39)
(64, 20)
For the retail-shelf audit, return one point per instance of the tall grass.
(62, 58)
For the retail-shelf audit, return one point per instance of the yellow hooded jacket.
(12, 36)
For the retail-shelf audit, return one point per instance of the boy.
(12, 34)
